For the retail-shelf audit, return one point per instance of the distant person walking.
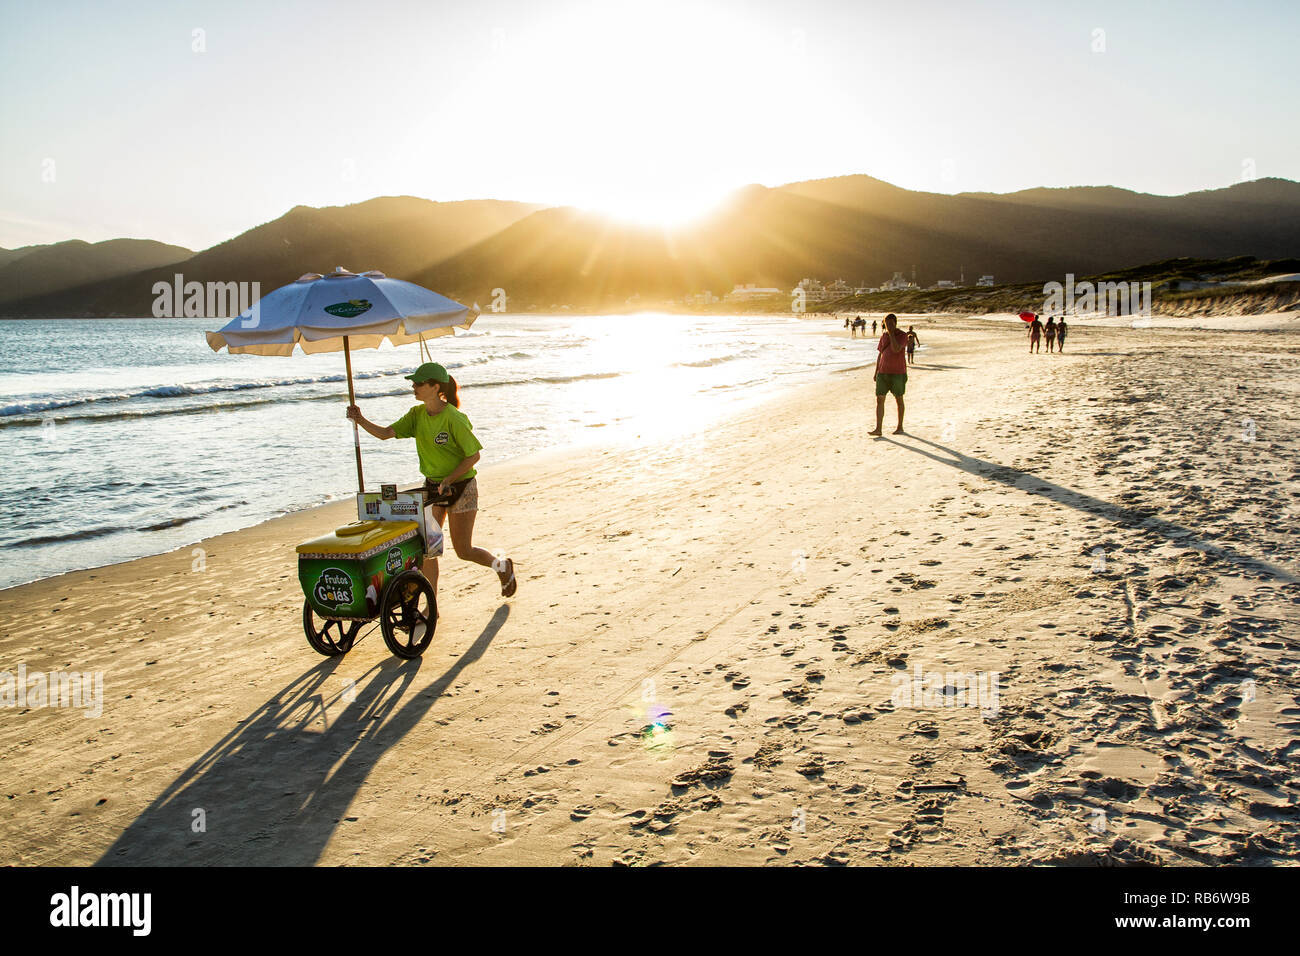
(1050, 332)
(1035, 335)
(873, 325)
(891, 372)
(1061, 329)
(913, 340)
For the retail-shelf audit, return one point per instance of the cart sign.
(334, 588)
(403, 506)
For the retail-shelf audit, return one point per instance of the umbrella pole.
(352, 400)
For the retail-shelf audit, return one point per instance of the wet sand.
(1057, 621)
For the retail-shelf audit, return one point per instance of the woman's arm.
(465, 465)
(382, 432)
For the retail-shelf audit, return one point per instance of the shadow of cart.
(273, 791)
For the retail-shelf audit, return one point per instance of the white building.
(896, 283)
(984, 282)
(813, 290)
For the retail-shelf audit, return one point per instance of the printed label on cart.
(334, 588)
(394, 562)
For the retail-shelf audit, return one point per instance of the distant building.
(813, 290)
(866, 289)
(838, 289)
(896, 283)
(984, 282)
(704, 298)
(944, 284)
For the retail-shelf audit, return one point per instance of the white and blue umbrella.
(340, 312)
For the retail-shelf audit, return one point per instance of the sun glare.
(655, 101)
(672, 207)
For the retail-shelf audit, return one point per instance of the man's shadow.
(272, 792)
(1121, 515)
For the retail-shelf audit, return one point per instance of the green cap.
(429, 372)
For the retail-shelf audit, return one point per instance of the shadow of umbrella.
(1120, 514)
(272, 792)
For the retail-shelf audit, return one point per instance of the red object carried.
(1028, 316)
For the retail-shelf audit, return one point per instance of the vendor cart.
(369, 569)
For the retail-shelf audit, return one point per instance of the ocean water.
(124, 438)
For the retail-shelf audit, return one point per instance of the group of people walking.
(1053, 331)
(856, 324)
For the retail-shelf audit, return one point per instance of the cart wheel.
(330, 638)
(408, 613)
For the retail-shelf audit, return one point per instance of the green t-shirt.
(443, 441)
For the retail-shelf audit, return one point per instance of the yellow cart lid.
(358, 537)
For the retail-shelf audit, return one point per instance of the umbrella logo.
(349, 309)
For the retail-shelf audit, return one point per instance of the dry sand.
(1111, 532)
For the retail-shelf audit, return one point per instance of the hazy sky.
(119, 119)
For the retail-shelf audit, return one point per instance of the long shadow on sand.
(274, 790)
(1119, 514)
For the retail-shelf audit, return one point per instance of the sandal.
(509, 585)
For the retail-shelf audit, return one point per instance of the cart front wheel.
(408, 613)
(330, 638)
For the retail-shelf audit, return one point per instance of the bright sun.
(641, 105)
(665, 206)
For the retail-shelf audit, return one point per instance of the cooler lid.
(358, 537)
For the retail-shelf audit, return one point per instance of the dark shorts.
(891, 383)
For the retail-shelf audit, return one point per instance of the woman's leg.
(430, 565)
(462, 539)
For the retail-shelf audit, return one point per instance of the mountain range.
(852, 227)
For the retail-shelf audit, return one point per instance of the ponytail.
(449, 390)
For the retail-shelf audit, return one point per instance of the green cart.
(370, 569)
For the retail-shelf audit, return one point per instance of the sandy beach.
(1055, 622)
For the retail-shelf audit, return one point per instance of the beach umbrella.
(340, 312)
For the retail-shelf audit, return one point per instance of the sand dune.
(772, 643)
